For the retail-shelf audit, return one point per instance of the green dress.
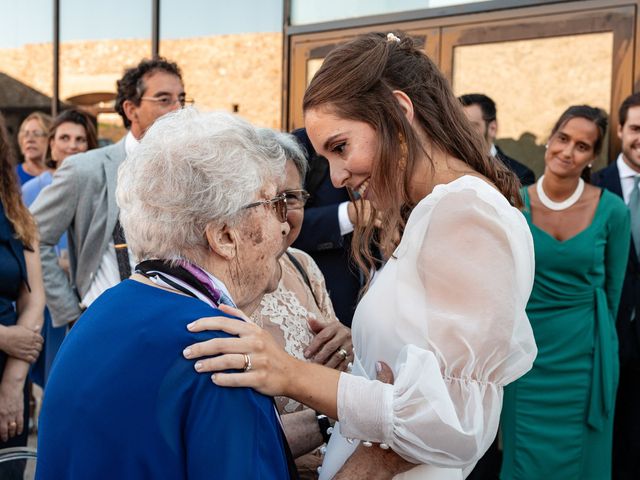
(557, 420)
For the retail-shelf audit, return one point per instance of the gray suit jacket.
(81, 200)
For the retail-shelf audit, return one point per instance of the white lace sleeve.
(464, 282)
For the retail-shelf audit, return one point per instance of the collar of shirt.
(222, 287)
(624, 169)
(493, 151)
(627, 174)
(130, 143)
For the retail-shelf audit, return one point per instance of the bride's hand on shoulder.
(260, 363)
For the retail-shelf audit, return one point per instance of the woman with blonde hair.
(32, 138)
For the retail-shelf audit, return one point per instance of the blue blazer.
(122, 402)
(628, 331)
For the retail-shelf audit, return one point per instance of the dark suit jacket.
(524, 173)
(628, 331)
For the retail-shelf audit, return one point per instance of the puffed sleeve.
(467, 302)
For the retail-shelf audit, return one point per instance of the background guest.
(207, 235)
(299, 309)
(581, 238)
(622, 177)
(481, 112)
(21, 307)
(71, 132)
(32, 138)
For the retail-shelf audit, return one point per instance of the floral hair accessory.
(392, 38)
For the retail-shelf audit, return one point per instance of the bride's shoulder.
(464, 194)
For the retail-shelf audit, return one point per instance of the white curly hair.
(190, 170)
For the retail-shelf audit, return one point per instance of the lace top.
(285, 313)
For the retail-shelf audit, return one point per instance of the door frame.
(456, 26)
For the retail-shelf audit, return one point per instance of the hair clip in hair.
(392, 38)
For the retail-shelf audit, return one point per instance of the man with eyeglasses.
(81, 199)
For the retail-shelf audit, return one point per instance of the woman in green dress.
(557, 420)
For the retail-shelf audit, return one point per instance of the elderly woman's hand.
(11, 409)
(374, 462)
(331, 346)
(263, 364)
(21, 342)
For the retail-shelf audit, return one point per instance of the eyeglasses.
(279, 204)
(168, 101)
(33, 133)
(296, 199)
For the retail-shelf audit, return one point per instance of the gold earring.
(404, 152)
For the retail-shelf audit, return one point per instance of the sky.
(31, 21)
(311, 11)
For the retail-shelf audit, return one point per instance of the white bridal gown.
(447, 314)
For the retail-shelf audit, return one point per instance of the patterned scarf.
(188, 278)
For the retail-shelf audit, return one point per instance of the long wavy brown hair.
(15, 210)
(356, 82)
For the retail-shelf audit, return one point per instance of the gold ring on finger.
(13, 424)
(247, 362)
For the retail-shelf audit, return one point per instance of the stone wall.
(532, 81)
(241, 72)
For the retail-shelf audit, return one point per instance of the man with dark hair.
(481, 112)
(81, 199)
(622, 177)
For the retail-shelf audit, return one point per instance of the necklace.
(563, 205)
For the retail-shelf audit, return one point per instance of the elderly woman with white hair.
(198, 202)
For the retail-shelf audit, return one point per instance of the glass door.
(534, 67)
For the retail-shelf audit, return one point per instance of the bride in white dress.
(447, 311)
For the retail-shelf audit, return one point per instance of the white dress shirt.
(108, 273)
(343, 219)
(627, 174)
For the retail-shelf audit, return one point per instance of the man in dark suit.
(326, 233)
(481, 112)
(622, 178)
